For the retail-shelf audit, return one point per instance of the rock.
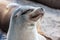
(50, 3)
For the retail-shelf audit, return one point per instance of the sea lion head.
(27, 14)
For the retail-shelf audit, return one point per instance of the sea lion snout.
(36, 14)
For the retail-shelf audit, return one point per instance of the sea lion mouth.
(36, 16)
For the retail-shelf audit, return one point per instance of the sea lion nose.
(40, 11)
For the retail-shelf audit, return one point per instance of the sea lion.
(5, 14)
(23, 24)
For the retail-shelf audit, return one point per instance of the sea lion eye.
(27, 11)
